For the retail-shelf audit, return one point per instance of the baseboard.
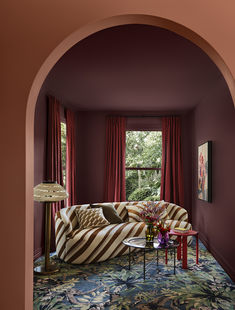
(38, 253)
(220, 259)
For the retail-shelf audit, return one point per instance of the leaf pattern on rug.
(111, 285)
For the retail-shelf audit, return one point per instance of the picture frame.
(204, 171)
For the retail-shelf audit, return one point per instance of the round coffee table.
(140, 243)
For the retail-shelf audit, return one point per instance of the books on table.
(181, 230)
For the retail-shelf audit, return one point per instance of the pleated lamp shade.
(49, 192)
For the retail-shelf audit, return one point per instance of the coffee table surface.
(138, 242)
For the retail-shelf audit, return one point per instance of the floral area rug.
(111, 285)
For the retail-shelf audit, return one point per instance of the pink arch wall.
(87, 30)
(18, 111)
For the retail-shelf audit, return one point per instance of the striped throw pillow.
(91, 218)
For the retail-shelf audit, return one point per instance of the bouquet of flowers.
(162, 228)
(163, 233)
(152, 212)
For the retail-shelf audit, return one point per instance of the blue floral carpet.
(111, 285)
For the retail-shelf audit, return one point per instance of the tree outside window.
(143, 165)
(63, 150)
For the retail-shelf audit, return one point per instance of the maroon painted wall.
(90, 156)
(214, 119)
(187, 147)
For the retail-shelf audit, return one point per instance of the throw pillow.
(110, 213)
(89, 218)
(74, 219)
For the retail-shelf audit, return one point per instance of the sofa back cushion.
(121, 208)
(110, 213)
(134, 211)
(176, 212)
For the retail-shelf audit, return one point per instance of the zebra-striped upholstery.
(78, 246)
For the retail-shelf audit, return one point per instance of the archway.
(58, 53)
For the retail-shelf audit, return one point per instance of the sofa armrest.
(65, 223)
(176, 212)
(62, 229)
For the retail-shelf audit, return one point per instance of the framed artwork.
(204, 171)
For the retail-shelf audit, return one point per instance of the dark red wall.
(90, 156)
(187, 160)
(214, 119)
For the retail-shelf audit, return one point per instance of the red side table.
(182, 239)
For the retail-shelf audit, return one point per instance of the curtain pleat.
(172, 168)
(115, 185)
(54, 157)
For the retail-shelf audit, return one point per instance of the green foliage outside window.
(143, 150)
(63, 150)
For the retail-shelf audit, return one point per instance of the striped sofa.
(83, 246)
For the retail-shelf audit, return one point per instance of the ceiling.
(133, 68)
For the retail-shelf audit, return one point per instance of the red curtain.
(115, 185)
(54, 158)
(172, 171)
(70, 156)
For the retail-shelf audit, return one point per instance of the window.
(143, 165)
(63, 150)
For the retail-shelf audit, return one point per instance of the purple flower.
(152, 212)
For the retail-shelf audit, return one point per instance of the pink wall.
(30, 36)
(214, 119)
(40, 124)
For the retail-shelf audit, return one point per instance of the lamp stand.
(47, 268)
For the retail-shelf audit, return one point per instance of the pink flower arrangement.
(162, 228)
(152, 212)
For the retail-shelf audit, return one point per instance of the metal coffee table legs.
(144, 265)
(174, 260)
(129, 258)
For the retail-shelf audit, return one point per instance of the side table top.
(188, 233)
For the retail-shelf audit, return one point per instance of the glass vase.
(149, 233)
(163, 238)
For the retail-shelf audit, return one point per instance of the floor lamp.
(48, 192)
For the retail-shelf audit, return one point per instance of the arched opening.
(66, 45)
